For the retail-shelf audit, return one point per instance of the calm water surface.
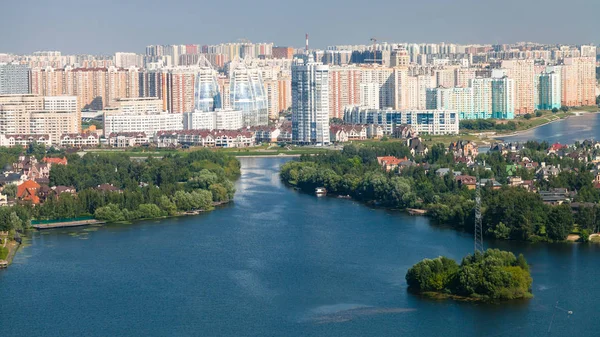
(277, 263)
(566, 131)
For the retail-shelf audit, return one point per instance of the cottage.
(463, 148)
(389, 162)
(28, 191)
(465, 180)
(417, 148)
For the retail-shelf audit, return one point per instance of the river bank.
(278, 263)
(574, 114)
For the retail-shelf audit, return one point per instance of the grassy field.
(262, 150)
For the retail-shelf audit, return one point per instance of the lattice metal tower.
(478, 221)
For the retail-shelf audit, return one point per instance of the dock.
(414, 211)
(68, 224)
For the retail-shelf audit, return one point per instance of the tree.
(109, 213)
(149, 211)
(432, 275)
(501, 231)
(560, 222)
(538, 113)
(10, 190)
(564, 108)
(527, 116)
(554, 110)
(167, 205)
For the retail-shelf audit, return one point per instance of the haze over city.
(307, 168)
(86, 27)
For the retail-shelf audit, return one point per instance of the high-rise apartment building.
(14, 79)
(247, 93)
(283, 53)
(285, 92)
(95, 88)
(181, 86)
(344, 89)
(503, 98)
(522, 72)
(482, 96)
(128, 60)
(578, 81)
(385, 79)
(272, 93)
(207, 96)
(310, 102)
(369, 95)
(33, 114)
(549, 89)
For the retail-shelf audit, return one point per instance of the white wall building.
(310, 103)
(139, 105)
(433, 122)
(213, 120)
(149, 123)
(369, 95)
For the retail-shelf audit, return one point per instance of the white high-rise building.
(503, 98)
(482, 96)
(247, 93)
(369, 95)
(206, 94)
(310, 103)
(128, 60)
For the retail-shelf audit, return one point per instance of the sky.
(108, 26)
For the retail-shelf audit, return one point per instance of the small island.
(487, 276)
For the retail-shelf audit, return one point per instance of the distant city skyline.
(79, 28)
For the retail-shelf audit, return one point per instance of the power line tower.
(478, 221)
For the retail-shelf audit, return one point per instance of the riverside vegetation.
(508, 212)
(143, 189)
(491, 275)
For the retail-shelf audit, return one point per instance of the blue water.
(566, 131)
(277, 263)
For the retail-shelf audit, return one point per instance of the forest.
(491, 275)
(140, 189)
(508, 212)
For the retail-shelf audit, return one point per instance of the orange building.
(283, 53)
(27, 191)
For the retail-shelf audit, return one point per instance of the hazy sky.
(107, 26)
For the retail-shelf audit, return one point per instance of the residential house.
(375, 131)
(557, 196)
(404, 131)
(127, 139)
(444, 171)
(465, 180)
(108, 188)
(492, 183)
(24, 140)
(545, 171)
(463, 148)
(417, 148)
(266, 134)
(79, 140)
(55, 161)
(390, 163)
(28, 191)
(205, 138)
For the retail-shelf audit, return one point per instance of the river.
(277, 262)
(564, 131)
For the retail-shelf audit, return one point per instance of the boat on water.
(320, 191)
